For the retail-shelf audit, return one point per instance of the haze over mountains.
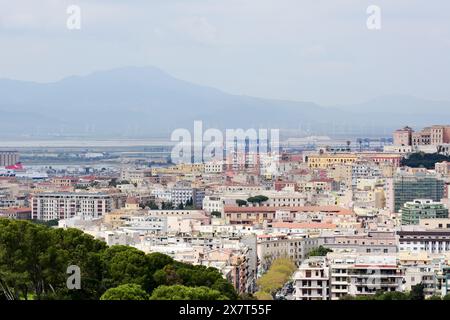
(145, 101)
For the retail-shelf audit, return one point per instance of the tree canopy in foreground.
(34, 260)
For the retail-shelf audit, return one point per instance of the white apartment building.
(272, 246)
(134, 175)
(145, 224)
(163, 194)
(214, 167)
(285, 199)
(341, 274)
(8, 158)
(312, 280)
(183, 218)
(213, 203)
(422, 274)
(181, 194)
(419, 239)
(52, 206)
(363, 274)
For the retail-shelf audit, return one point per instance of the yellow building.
(325, 161)
(182, 168)
(413, 258)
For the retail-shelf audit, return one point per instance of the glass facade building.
(412, 212)
(408, 187)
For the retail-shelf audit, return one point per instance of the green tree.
(391, 295)
(241, 202)
(113, 182)
(179, 292)
(167, 206)
(226, 288)
(151, 205)
(426, 160)
(261, 295)
(257, 199)
(216, 214)
(189, 204)
(271, 282)
(179, 273)
(319, 251)
(278, 274)
(417, 292)
(125, 292)
(34, 260)
(124, 265)
(158, 261)
(49, 223)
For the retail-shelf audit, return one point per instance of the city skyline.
(224, 156)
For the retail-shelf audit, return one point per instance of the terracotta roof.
(16, 209)
(275, 235)
(132, 200)
(328, 209)
(304, 225)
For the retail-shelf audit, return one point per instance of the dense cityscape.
(224, 159)
(327, 222)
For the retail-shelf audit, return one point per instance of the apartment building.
(180, 169)
(341, 173)
(312, 280)
(422, 274)
(325, 161)
(65, 181)
(432, 241)
(214, 167)
(435, 223)
(254, 215)
(213, 203)
(134, 175)
(374, 242)
(17, 213)
(317, 185)
(341, 274)
(403, 137)
(8, 158)
(272, 246)
(434, 135)
(364, 170)
(407, 186)
(381, 158)
(363, 274)
(145, 224)
(285, 199)
(64, 205)
(443, 168)
(413, 211)
(328, 160)
(180, 194)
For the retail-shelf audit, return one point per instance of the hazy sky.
(313, 50)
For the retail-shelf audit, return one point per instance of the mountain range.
(145, 101)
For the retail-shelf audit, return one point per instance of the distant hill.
(145, 101)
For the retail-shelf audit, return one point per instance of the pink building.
(403, 137)
(434, 135)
